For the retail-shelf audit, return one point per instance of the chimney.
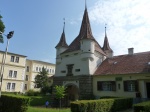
(130, 51)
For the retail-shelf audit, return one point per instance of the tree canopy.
(2, 26)
(60, 91)
(42, 81)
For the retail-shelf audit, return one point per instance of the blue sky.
(38, 24)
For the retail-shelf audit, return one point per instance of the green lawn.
(42, 109)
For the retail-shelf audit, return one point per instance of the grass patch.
(42, 109)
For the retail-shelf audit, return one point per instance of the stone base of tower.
(80, 87)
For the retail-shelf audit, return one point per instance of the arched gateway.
(72, 94)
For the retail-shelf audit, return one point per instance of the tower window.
(69, 68)
(77, 70)
(63, 71)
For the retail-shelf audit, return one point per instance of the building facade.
(19, 72)
(86, 69)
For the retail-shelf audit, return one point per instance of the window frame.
(12, 59)
(131, 86)
(17, 59)
(106, 85)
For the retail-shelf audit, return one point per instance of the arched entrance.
(72, 94)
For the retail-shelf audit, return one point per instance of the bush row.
(39, 100)
(102, 105)
(13, 104)
(142, 107)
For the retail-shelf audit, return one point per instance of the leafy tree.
(2, 27)
(60, 93)
(42, 81)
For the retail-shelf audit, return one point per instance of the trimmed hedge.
(142, 107)
(13, 104)
(39, 100)
(102, 105)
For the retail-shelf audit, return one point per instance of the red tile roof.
(125, 64)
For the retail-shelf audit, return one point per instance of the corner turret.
(61, 46)
(106, 48)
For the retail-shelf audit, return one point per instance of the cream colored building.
(19, 72)
(33, 67)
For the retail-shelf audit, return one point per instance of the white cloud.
(128, 23)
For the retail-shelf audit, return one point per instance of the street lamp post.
(4, 59)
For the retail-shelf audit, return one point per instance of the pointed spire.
(106, 43)
(105, 31)
(85, 30)
(62, 42)
(85, 5)
(64, 25)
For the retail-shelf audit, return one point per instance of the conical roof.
(106, 43)
(85, 33)
(62, 42)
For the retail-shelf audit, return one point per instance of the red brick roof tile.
(125, 64)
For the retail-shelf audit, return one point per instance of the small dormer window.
(115, 63)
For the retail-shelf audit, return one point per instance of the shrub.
(32, 93)
(101, 105)
(13, 104)
(142, 107)
(38, 100)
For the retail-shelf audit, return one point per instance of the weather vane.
(64, 23)
(105, 25)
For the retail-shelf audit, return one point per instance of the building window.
(69, 68)
(106, 85)
(17, 60)
(12, 58)
(8, 86)
(11, 86)
(50, 70)
(77, 70)
(63, 71)
(12, 74)
(131, 85)
(15, 74)
(119, 86)
(53, 71)
(26, 78)
(25, 87)
(37, 69)
(27, 69)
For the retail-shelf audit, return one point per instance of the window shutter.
(99, 85)
(125, 83)
(136, 86)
